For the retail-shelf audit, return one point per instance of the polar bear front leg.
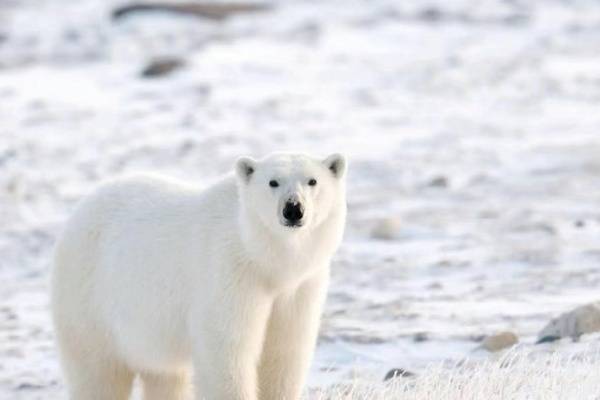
(290, 340)
(228, 345)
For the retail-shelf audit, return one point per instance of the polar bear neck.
(289, 258)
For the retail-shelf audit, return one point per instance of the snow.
(498, 98)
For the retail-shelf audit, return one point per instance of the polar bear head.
(292, 192)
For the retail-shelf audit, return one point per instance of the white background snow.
(472, 128)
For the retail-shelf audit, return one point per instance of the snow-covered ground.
(473, 130)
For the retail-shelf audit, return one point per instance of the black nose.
(293, 212)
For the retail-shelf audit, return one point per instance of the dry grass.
(516, 375)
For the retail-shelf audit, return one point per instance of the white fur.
(153, 277)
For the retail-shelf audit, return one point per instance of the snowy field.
(473, 132)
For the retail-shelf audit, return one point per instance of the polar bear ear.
(336, 163)
(244, 168)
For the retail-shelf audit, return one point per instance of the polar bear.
(156, 278)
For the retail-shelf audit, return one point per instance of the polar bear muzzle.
(293, 211)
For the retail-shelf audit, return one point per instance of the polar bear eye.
(312, 182)
(273, 183)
